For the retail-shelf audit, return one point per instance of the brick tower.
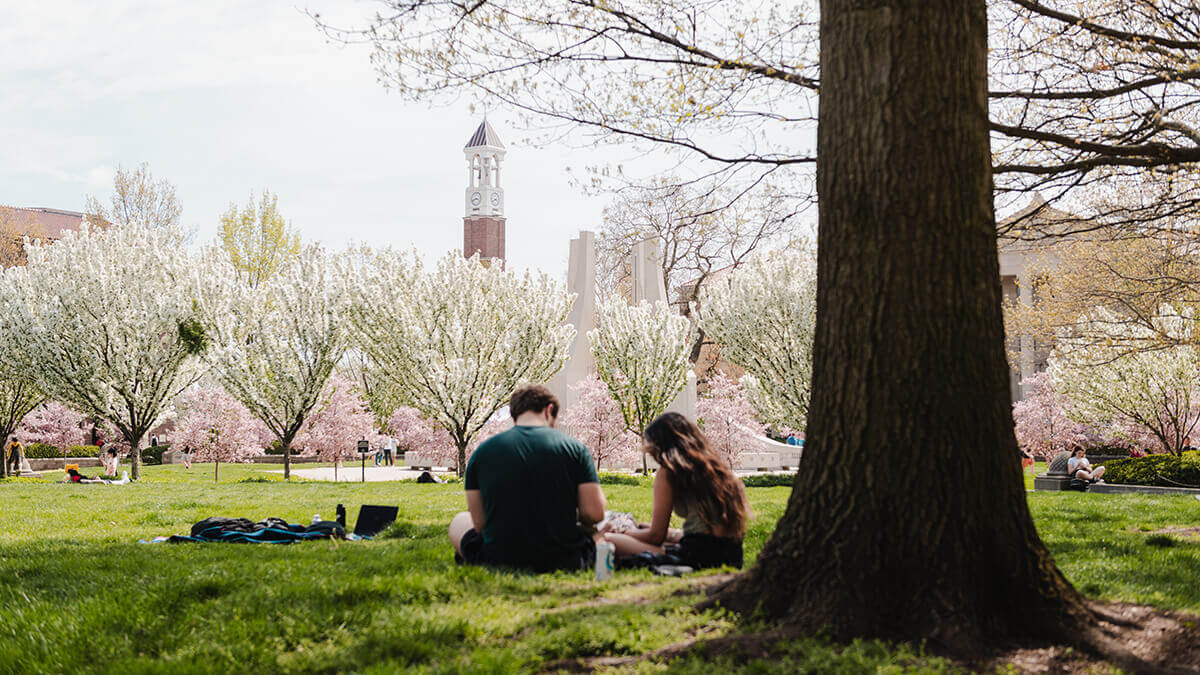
(483, 225)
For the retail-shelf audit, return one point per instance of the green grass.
(78, 593)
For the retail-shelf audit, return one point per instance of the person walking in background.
(15, 452)
(389, 451)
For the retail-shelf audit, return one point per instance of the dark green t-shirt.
(529, 478)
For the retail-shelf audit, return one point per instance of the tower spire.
(483, 222)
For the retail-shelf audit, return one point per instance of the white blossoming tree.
(454, 342)
(641, 353)
(106, 322)
(278, 343)
(19, 394)
(1132, 377)
(764, 317)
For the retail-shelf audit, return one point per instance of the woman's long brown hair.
(698, 475)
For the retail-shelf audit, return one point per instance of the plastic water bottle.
(316, 518)
(605, 552)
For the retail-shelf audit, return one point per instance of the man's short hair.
(532, 398)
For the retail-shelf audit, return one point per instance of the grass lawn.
(79, 593)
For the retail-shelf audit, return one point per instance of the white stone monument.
(581, 280)
(647, 280)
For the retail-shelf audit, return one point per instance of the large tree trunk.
(908, 519)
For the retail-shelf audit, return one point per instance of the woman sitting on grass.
(74, 476)
(1079, 467)
(698, 485)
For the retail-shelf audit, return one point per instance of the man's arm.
(475, 507)
(591, 503)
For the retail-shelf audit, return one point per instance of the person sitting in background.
(1026, 459)
(1079, 467)
(110, 461)
(1187, 444)
(73, 476)
(698, 485)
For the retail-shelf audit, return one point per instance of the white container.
(605, 553)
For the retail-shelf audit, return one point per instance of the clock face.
(495, 199)
(475, 199)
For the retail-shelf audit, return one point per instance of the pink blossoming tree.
(55, 424)
(597, 421)
(726, 417)
(217, 428)
(337, 423)
(413, 431)
(1042, 425)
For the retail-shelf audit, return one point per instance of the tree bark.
(908, 519)
(135, 456)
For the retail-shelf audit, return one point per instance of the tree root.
(1163, 642)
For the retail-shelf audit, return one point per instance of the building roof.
(40, 221)
(485, 135)
(1036, 226)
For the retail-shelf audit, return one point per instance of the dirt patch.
(1192, 533)
(1165, 642)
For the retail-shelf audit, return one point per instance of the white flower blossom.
(641, 354)
(456, 341)
(1133, 375)
(764, 317)
(106, 322)
(276, 345)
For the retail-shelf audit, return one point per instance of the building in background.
(483, 223)
(35, 223)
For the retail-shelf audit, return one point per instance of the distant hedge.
(1159, 470)
(41, 451)
(769, 480)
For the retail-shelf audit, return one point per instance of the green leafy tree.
(257, 240)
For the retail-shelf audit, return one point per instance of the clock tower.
(483, 224)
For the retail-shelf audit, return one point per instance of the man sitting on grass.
(529, 489)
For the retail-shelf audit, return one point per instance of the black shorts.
(473, 553)
(705, 550)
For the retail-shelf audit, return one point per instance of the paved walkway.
(354, 474)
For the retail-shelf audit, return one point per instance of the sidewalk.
(354, 474)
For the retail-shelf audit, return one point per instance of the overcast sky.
(228, 97)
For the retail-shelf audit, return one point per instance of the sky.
(227, 98)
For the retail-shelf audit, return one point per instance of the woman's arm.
(660, 519)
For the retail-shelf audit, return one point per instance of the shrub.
(619, 479)
(41, 451)
(153, 454)
(275, 448)
(1160, 470)
(769, 480)
(44, 451)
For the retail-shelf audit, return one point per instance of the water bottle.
(341, 515)
(605, 553)
(316, 518)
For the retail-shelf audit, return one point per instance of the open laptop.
(373, 519)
